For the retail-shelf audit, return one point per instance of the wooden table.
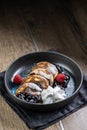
(39, 26)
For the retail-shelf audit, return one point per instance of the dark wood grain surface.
(40, 26)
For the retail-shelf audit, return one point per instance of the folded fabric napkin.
(39, 121)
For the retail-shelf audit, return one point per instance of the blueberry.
(32, 101)
(27, 100)
(21, 96)
(33, 97)
(67, 77)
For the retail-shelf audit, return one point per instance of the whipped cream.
(52, 95)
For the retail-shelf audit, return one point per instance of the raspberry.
(60, 78)
(17, 79)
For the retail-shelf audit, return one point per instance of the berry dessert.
(46, 83)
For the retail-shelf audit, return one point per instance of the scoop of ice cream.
(52, 95)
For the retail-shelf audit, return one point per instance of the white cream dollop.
(47, 95)
(59, 94)
(52, 95)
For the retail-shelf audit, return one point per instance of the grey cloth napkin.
(39, 121)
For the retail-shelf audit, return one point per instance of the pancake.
(22, 88)
(38, 79)
(30, 88)
(43, 72)
(48, 66)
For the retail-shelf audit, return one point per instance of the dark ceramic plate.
(23, 65)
